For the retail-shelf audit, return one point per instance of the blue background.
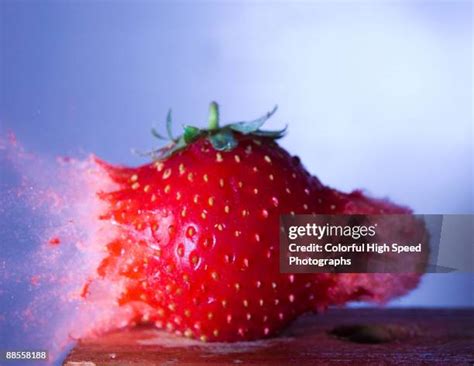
(378, 95)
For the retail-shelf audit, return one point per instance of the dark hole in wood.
(373, 333)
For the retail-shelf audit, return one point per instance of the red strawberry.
(198, 242)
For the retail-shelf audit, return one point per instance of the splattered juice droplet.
(54, 240)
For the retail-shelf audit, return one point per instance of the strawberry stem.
(213, 123)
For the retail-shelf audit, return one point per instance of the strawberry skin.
(198, 241)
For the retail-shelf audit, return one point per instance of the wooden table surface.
(391, 336)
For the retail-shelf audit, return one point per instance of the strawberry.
(197, 242)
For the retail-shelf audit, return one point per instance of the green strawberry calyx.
(222, 138)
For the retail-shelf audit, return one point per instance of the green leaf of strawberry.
(224, 140)
(252, 126)
(221, 138)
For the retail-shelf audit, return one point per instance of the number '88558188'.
(25, 355)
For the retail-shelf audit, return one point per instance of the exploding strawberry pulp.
(198, 232)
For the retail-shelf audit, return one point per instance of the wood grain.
(421, 337)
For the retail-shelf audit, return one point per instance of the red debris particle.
(54, 241)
